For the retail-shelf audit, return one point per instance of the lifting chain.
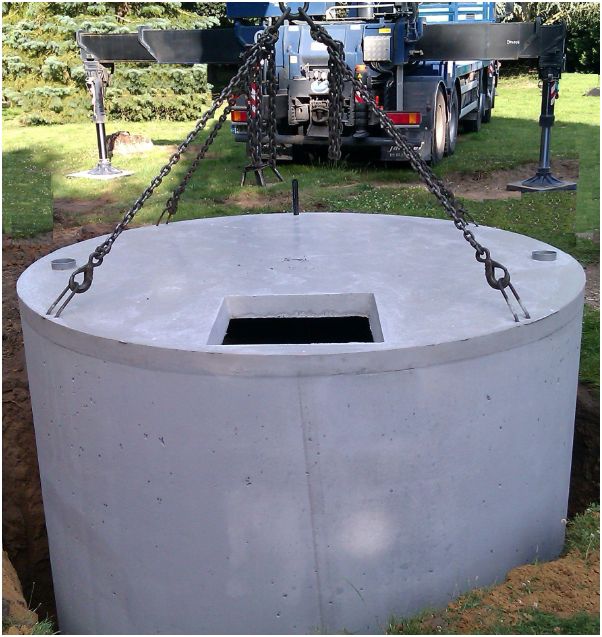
(335, 98)
(261, 113)
(171, 206)
(447, 200)
(271, 87)
(251, 59)
(339, 72)
(254, 113)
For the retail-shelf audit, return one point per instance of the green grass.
(26, 193)
(583, 532)
(44, 627)
(537, 622)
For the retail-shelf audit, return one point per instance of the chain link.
(271, 87)
(171, 206)
(335, 98)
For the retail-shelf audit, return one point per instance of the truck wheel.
(487, 113)
(439, 129)
(474, 125)
(451, 136)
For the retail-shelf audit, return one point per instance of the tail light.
(238, 116)
(410, 119)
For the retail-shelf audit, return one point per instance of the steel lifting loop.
(75, 287)
(287, 13)
(88, 272)
(490, 268)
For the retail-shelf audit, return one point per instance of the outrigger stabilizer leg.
(97, 78)
(544, 180)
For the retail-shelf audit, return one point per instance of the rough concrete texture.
(201, 488)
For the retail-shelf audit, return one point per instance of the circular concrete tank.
(192, 486)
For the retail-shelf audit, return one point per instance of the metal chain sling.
(267, 53)
(271, 86)
(171, 206)
(433, 183)
(96, 258)
(335, 99)
(339, 72)
(253, 114)
(261, 113)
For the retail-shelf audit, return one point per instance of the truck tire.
(438, 135)
(474, 125)
(491, 104)
(453, 122)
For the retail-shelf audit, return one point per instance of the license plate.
(391, 153)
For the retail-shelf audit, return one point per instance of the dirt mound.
(550, 592)
(564, 587)
(480, 185)
(17, 619)
(70, 212)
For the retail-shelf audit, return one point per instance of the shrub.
(55, 69)
(40, 47)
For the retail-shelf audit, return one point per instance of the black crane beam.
(168, 46)
(492, 41)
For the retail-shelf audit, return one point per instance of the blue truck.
(429, 99)
(432, 67)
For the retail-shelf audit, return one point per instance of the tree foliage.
(44, 79)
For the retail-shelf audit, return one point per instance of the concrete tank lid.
(173, 288)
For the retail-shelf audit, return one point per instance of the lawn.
(512, 138)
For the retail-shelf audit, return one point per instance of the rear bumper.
(417, 137)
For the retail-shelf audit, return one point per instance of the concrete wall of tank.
(189, 500)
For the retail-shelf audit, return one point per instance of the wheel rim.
(440, 127)
(453, 122)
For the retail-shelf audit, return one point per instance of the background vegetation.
(43, 76)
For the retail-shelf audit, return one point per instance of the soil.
(253, 197)
(70, 212)
(585, 469)
(563, 587)
(24, 532)
(14, 607)
(492, 185)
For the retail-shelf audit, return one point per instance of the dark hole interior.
(282, 331)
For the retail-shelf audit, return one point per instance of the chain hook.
(75, 287)
(287, 13)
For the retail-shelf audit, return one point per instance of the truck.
(431, 67)
(430, 100)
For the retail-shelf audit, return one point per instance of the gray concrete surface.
(192, 487)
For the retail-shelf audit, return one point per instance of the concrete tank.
(192, 486)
